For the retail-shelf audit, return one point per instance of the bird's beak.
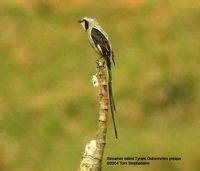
(82, 23)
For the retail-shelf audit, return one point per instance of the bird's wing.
(101, 43)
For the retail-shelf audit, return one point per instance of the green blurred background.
(48, 106)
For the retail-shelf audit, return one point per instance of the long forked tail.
(111, 98)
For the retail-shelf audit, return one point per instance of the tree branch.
(93, 155)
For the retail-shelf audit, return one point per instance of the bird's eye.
(86, 24)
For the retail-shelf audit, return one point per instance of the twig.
(93, 155)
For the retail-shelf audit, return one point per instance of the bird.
(100, 42)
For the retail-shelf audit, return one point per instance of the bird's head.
(86, 22)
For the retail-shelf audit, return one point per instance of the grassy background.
(48, 107)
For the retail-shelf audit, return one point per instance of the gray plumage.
(100, 42)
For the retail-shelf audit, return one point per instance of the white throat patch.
(83, 24)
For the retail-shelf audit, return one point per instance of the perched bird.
(100, 42)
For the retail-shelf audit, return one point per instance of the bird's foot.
(98, 62)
